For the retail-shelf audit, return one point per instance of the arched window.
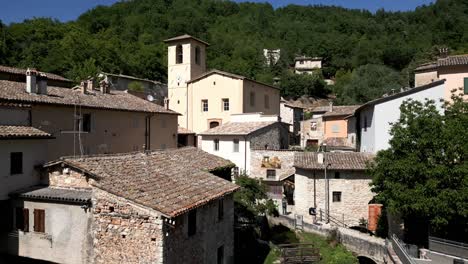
(214, 124)
(179, 54)
(197, 55)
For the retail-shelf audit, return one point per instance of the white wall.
(226, 147)
(34, 153)
(367, 140)
(253, 117)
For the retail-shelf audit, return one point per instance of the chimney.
(91, 84)
(31, 81)
(330, 106)
(443, 52)
(104, 87)
(84, 87)
(42, 83)
(166, 103)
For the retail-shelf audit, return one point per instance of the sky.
(66, 10)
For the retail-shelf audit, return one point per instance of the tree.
(296, 85)
(423, 176)
(251, 200)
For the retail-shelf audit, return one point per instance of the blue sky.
(65, 10)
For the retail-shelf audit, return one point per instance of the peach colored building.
(454, 69)
(208, 99)
(87, 121)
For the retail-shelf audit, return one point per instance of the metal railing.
(401, 250)
(449, 247)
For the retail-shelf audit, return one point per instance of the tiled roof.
(337, 160)
(184, 131)
(453, 60)
(18, 132)
(185, 36)
(227, 74)
(170, 181)
(426, 66)
(237, 128)
(301, 58)
(20, 71)
(55, 194)
(115, 100)
(344, 110)
(336, 142)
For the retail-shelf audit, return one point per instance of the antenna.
(150, 98)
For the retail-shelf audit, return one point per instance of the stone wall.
(275, 137)
(67, 178)
(354, 188)
(124, 232)
(280, 160)
(211, 233)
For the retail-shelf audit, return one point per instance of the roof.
(183, 130)
(337, 160)
(227, 74)
(22, 132)
(55, 194)
(238, 128)
(114, 100)
(301, 58)
(400, 94)
(321, 109)
(170, 181)
(20, 71)
(447, 61)
(185, 36)
(344, 110)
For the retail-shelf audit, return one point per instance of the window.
(204, 105)
(22, 219)
(313, 126)
(16, 163)
(235, 147)
(225, 104)
(465, 85)
(301, 62)
(192, 222)
(220, 258)
(179, 54)
(252, 99)
(335, 128)
(271, 174)
(39, 220)
(267, 101)
(83, 123)
(365, 123)
(214, 124)
(235, 171)
(337, 175)
(336, 196)
(216, 144)
(266, 159)
(220, 209)
(197, 55)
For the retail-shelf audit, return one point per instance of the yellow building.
(207, 99)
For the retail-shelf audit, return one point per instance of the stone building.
(307, 65)
(165, 206)
(349, 192)
(86, 119)
(235, 140)
(292, 114)
(272, 56)
(19, 75)
(186, 138)
(454, 69)
(207, 99)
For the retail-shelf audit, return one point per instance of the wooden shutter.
(25, 219)
(39, 220)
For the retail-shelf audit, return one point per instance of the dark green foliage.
(382, 225)
(127, 38)
(423, 176)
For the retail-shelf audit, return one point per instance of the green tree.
(424, 174)
(296, 85)
(136, 86)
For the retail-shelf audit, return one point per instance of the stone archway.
(366, 260)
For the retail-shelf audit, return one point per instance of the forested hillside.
(364, 51)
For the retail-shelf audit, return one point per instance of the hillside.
(127, 38)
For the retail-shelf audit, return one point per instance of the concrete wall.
(354, 188)
(66, 238)
(226, 149)
(260, 91)
(330, 123)
(307, 64)
(422, 78)
(454, 76)
(15, 116)
(307, 133)
(367, 131)
(34, 153)
(111, 131)
(287, 115)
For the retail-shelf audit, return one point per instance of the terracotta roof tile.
(344, 110)
(338, 160)
(237, 128)
(115, 100)
(228, 74)
(169, 181)
(18, 132)
(185, 36)
(184, 131)
(453, 60)
(20, 71)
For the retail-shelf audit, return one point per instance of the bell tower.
(186, 59)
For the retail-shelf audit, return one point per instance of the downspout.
(186, 107)
(315, 193)
(148, 132)
(245, 154)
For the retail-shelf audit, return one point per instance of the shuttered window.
(22, 219)
(39, 220)
(16, 163)
(465, 85)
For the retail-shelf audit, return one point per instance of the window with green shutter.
(465, 87)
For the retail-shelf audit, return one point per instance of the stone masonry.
(354, 188)
(273, 137)
(280, 160)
